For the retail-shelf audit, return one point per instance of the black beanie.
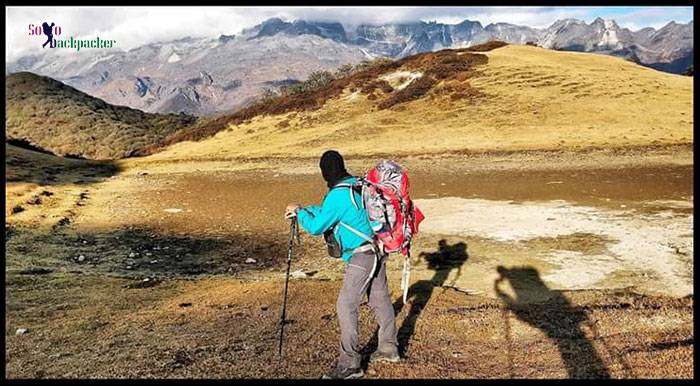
(333, 167)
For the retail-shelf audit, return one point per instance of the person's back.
(341, 212)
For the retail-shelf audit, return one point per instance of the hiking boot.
(344, 373)
(379, 356)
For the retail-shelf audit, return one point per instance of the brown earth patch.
(488, 46)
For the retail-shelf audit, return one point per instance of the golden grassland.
(527, 98)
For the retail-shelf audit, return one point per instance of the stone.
(299, 275)
(21, 331)
(250, 260)
(81, 258)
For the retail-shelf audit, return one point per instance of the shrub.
(377, 84)
(413, 91)
(344, 70)
(318, 79)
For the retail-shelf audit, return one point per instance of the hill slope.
(518, 98)
(50, 115)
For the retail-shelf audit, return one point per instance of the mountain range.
(208, 76)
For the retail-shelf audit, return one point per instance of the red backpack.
(392, 215)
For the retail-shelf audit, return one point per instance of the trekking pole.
(293, 234)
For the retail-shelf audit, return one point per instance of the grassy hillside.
(50, 115)
(507, 98)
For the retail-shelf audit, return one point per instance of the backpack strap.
(355, 231)
(352, 196)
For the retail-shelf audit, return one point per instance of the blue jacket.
(336, 207)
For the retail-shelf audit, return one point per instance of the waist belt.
(364, 248)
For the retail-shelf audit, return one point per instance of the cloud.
(135, 26)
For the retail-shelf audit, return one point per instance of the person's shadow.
(443, 262)
(556, 317)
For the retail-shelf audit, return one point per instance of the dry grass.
(52, 116)
(438, 66)
(530, 99)
(98, 319)
(97, 327)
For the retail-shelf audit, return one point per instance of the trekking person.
(347, 224)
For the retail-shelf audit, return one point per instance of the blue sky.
(135, 26)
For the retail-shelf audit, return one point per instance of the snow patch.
(367, 54)
(609, 38)
(395, 77)
(174, 58)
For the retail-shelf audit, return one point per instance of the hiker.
(365, 270)
(48, 31)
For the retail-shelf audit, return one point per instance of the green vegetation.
(50, 115)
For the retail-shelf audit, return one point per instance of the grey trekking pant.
(354, 287)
